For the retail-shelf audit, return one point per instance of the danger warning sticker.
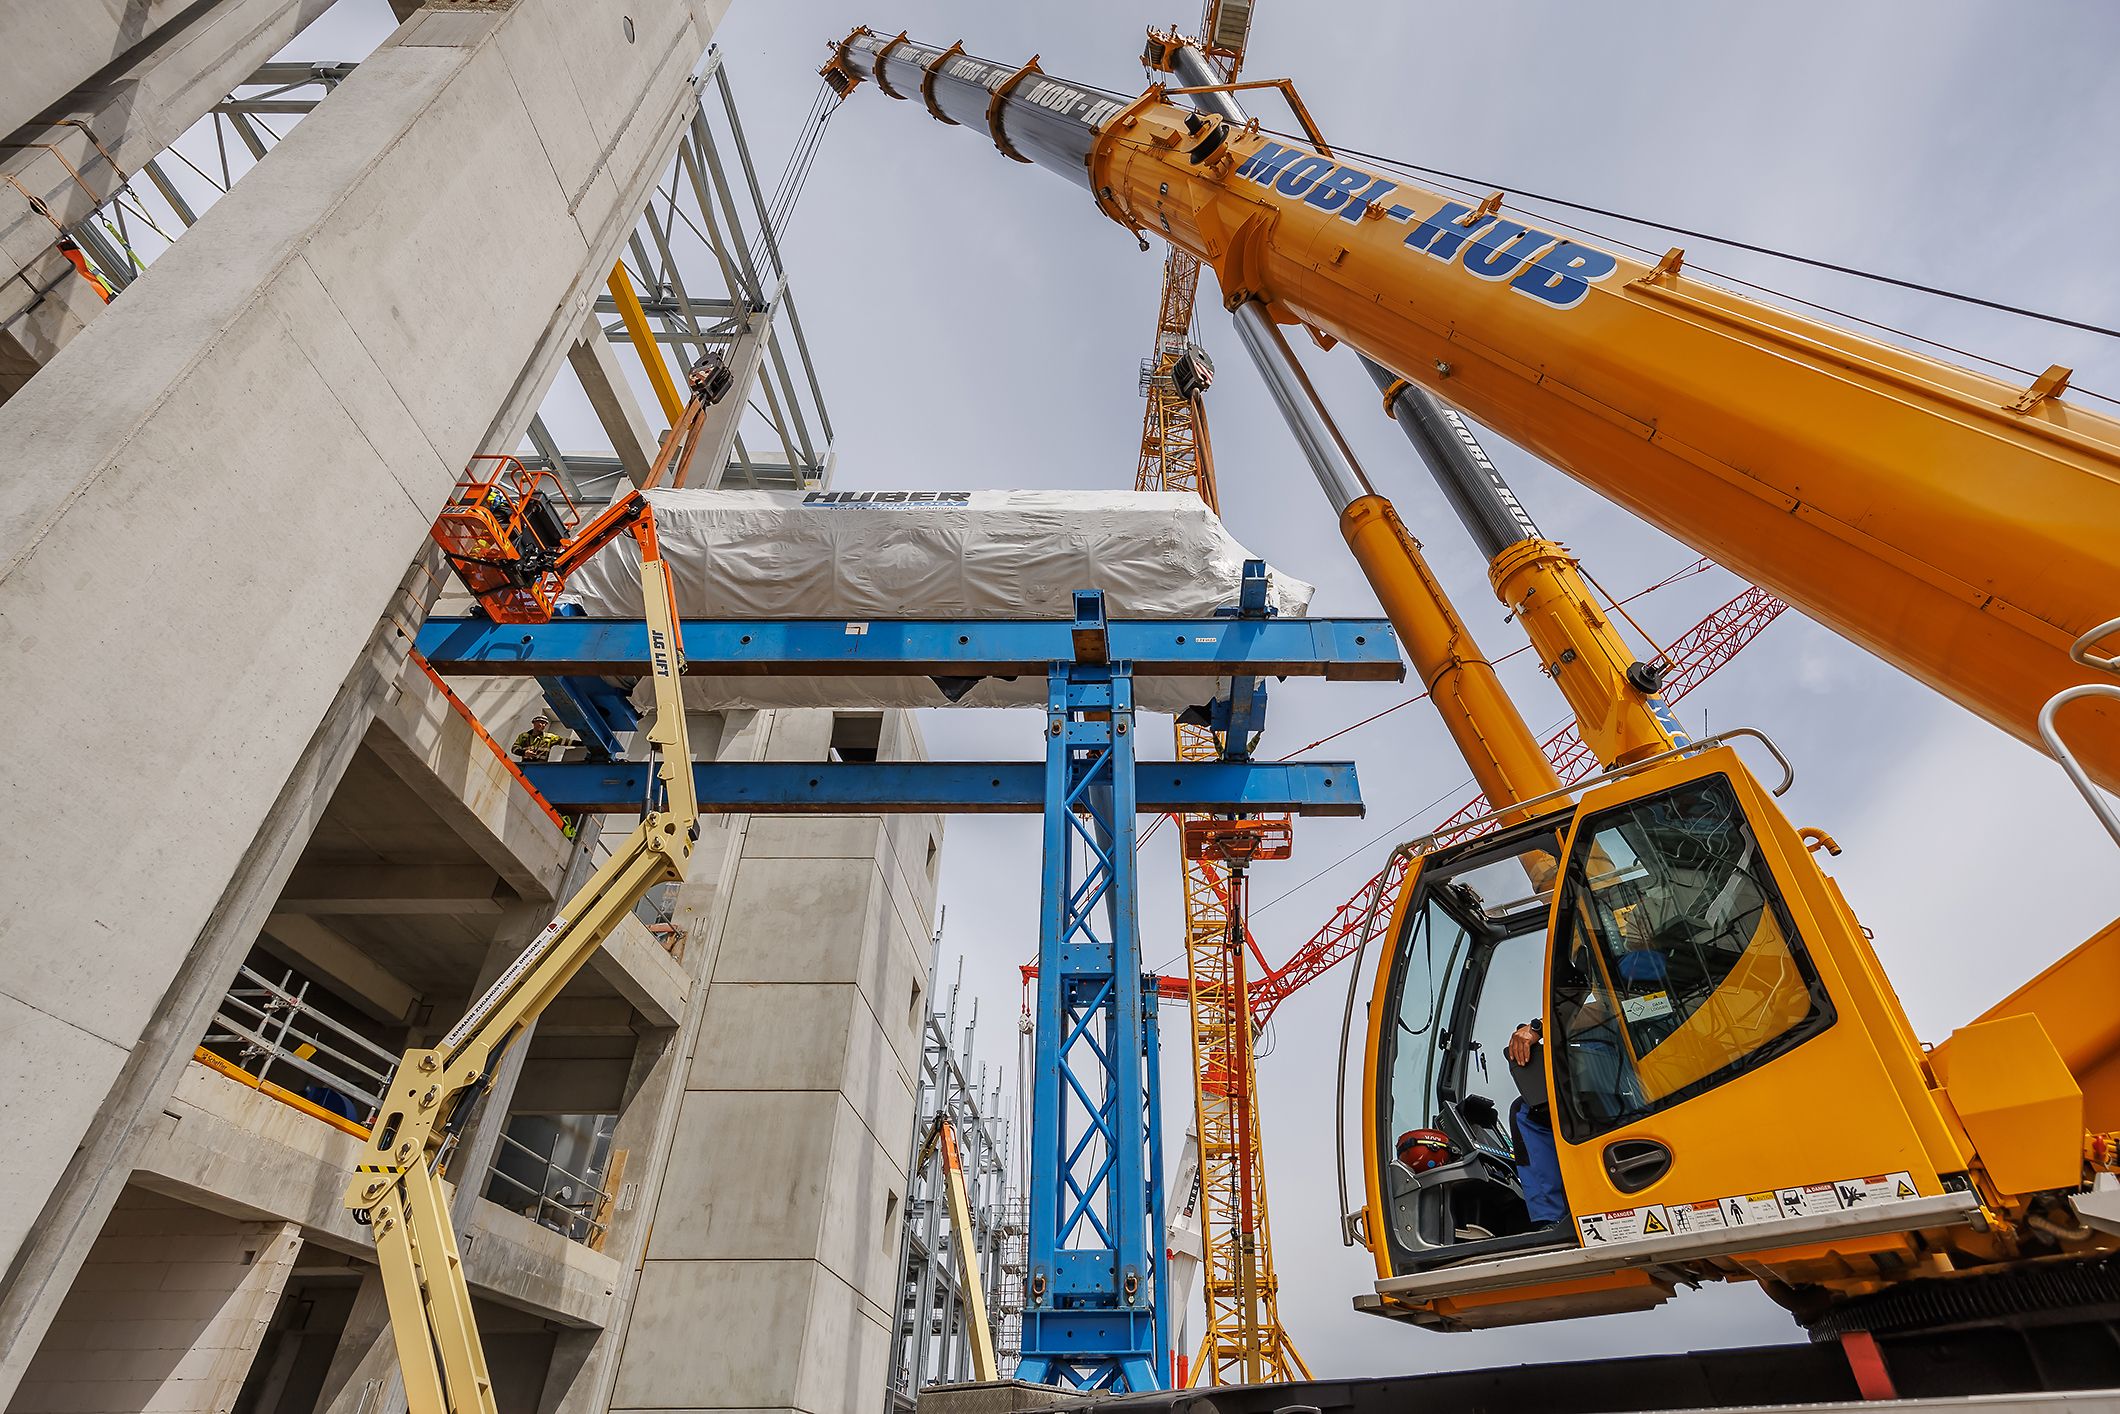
(1743, 1209)
(1626, 1225)
(1751, 1208)
(1812, 1201)
(1886, 1188)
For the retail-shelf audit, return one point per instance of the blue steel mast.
(1095, 1303)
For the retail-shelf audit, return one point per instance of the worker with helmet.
(536, 744)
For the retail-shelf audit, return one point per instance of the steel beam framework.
(958, 787)
(1096, 1303)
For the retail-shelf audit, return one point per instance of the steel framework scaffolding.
(709, 217)
(708, 211)
(933, 1344)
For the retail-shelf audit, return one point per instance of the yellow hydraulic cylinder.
(1615, 702)
(1505, 757)
(1615, 697)
(636, 322)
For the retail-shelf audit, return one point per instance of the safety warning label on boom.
(1654, 1220)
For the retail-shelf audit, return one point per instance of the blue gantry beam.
(961, 787)
(1344, 650)
(1097, 1300)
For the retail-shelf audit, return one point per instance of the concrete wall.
(166, 1315)
(303, 353)
(770, 1278)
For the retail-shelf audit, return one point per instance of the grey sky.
(977, 322)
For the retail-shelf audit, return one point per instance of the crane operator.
(1538, 1163)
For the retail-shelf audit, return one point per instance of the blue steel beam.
(1344, 650)
(959, 787)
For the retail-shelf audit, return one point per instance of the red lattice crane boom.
(1709, 644)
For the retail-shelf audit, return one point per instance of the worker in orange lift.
(537, 743)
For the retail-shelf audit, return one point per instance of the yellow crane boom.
(1660, 969)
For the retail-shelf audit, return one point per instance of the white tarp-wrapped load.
(928, 555)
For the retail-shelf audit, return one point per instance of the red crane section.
(1709, 644)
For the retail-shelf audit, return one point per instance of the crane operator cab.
(1704, 994)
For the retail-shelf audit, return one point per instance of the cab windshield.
(1676, 966)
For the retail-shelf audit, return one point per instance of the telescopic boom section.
(398, 1187)
(1963, 529)
(1059, 124)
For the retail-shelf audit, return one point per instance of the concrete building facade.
(685, 1189)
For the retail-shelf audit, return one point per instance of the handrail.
(2099, 805)
(285, 1096)
(1354, 976)
(582, 1212)
(2080, 650)
(272, 1036)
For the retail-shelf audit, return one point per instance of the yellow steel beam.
(651, 357)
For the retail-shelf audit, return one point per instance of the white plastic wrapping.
(928, 555)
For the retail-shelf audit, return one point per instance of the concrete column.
(218, 484)
(770, 1280)
(102, 89)
(596, 364)
(166, 1314)
(364, 1376)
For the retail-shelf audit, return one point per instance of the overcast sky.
(978, 323)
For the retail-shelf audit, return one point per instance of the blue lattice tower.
(1096, 1299)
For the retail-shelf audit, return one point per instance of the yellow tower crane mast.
(1243, 1340)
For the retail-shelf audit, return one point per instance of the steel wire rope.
(1472, 190)
(795, 175)
(1725, 240)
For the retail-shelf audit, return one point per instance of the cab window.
(1468, 970)
(1676, 964)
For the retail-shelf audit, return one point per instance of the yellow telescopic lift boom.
(1735, 1092)
(509, 534)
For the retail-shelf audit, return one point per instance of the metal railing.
(277, 1026)
(575, 1205)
